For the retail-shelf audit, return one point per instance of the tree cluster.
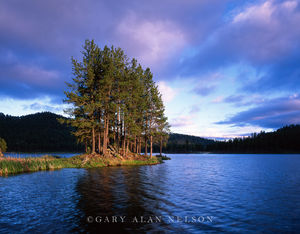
(115, 104)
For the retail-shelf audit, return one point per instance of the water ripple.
(241, 193)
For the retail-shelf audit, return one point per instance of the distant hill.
(180, 143)
(41, 132)
(283, 140)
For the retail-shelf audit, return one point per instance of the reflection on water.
(135, 195)
(190, 193)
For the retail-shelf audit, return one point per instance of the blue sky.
(225, 68)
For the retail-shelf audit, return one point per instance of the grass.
(9, 165)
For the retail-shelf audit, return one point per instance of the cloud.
(264, 32)
(218, 99)
(234, 99)
(42, 107)
(168, 93)
(261, 13)
(239, 100)
(175, 38)
(151, 41)
(38, 39)
(194, 109)
(42, 36)
(182, 121)
(204, 90)
(29, 81)
(56, 27)
(281, 76)
(274, 113)
(264, 36)
(206, 84)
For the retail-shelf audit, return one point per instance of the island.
(114, 107)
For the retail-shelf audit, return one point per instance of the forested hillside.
(180, 143)
(40, 132)
(284, 140)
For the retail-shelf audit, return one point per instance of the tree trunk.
(134, 145)
(146, 150)
(99, 142)
(93, 140)
(118, 129)
(114, 131)
(106, 124)
(140, 145)
(107, 131)
(124, 143)
(121, 135)
(151, 141)
(160, 149)
(104, 138)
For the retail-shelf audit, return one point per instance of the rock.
(163, 157)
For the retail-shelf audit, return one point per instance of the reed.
(10, 165)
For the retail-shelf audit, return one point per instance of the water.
(224, 193)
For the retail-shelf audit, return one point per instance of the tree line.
(39, 132)
(115, 104)
(283, 140)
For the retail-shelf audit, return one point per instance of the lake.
(191, 193)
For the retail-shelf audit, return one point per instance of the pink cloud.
(182, 121)
(152, 41)
(167, 92)
(266, 31)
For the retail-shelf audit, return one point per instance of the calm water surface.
(239, 193)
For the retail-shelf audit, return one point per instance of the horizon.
(224, 71)
(208, 138)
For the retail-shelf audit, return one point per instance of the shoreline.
(10, 165)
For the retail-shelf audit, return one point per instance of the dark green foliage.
(3, 146)
(40, 132)
(180, 143)
(284, 140)
(28, 133)
(114, 102)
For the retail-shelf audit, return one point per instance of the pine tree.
(114, 103)
(84, 92)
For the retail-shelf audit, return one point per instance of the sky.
(225, 68)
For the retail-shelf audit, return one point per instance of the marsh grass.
(10, 165)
